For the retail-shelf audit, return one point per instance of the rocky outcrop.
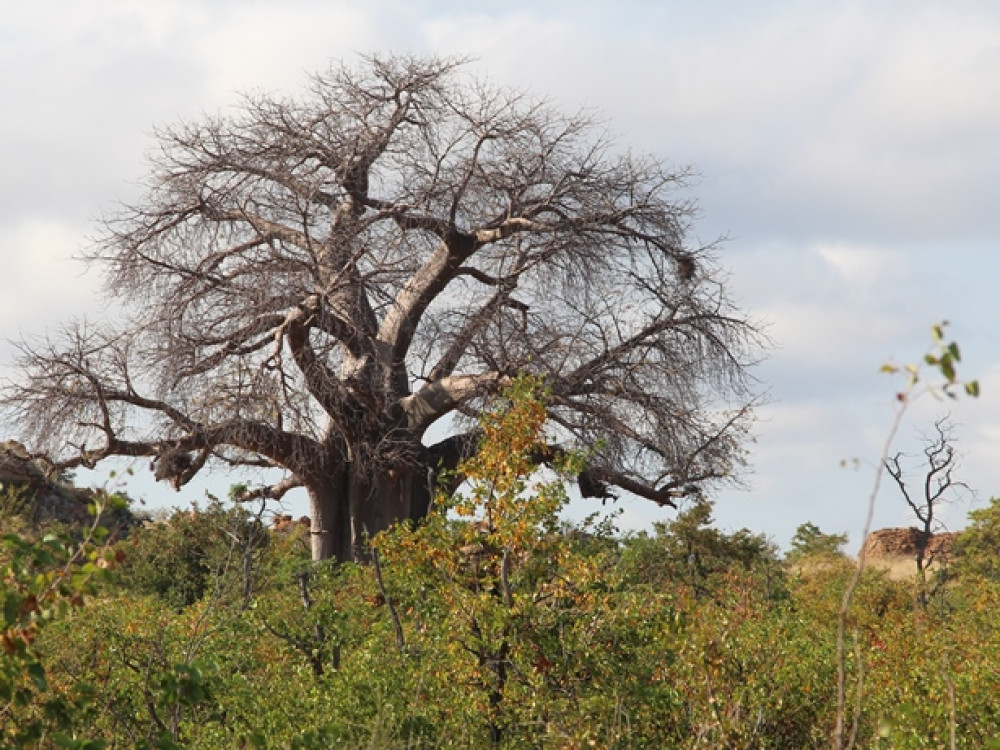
(16, 465)
(896, 543)
(285, 523)
(27, 490)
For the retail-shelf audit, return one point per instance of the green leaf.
(117, 501)
(972, 388)
(45, 558)
(948, 369)
(166, 742)
(37, 674)
(11, 605)
(884, 728)
(61, 739)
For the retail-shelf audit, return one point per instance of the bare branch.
(270, 492)
(313, 281)
(436, 399)
(393, 615)
(938, 486)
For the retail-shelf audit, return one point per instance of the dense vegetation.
(491, 623)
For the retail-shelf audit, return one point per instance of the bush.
(977, 547)
(691, 551)
(811, 542)
(192, 553)
(42, 581)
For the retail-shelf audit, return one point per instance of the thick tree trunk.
(350, 507)
(330, 518)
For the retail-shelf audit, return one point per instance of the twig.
(508, 597)
(393, 614)
(859, 693)
(943, 357)
(950, 686)
(838, 732)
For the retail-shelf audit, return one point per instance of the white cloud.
(825, 116)
(41, 283)
(833, 139)
(830, 335)
(273, 47)
(862, 266)
(933, 76)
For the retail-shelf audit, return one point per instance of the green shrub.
(41, 582)
(192, 553)
(977, 547)
(691, 551)
(811, 542)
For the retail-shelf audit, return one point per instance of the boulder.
(29, 491)
(896, 543)
(17, 467)
(285, 523)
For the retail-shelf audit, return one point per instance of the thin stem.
(393, 614)
(838, 732)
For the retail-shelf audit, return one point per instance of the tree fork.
(356, 265)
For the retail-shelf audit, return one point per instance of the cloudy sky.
(849, 152)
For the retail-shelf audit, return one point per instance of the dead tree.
(310, 284)
(939, 486)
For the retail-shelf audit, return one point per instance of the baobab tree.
(310, 284)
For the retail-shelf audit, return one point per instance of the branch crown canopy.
(313, 273)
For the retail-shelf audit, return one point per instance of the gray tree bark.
(312, 283)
